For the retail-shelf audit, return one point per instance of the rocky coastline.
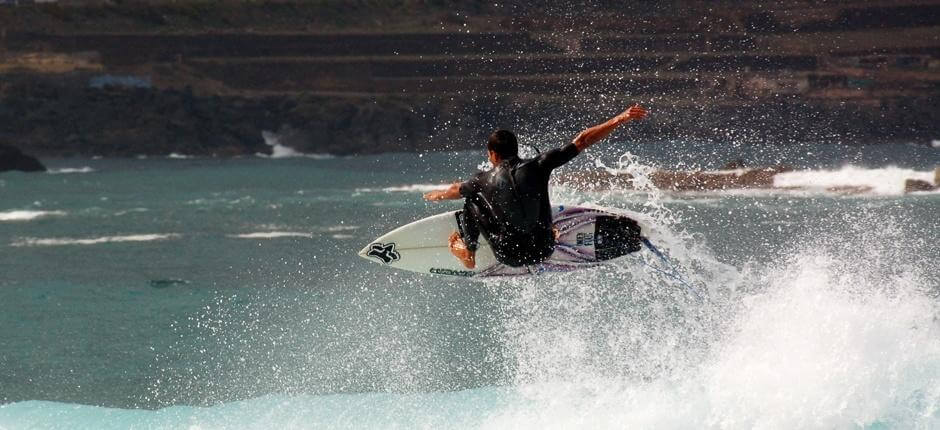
(731, 177)
(208, 78)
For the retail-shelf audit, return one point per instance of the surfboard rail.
(587, 237)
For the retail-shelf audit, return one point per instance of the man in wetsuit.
(509, 203)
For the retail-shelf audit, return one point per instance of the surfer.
(509, 203)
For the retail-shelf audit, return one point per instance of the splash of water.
(815, 340)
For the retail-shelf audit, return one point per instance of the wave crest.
(31, 241)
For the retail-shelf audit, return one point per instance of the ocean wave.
(131, 210)
(63, 170)
(814, 340)
(203, 201)
(288, 152)
(466, 409)
(31, 241)
(848, 180)
(272, 235)
(27, 215)
(279, 150)
(882, 181)
(178, 156)
(337, 228)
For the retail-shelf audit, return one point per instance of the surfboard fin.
(616, 236)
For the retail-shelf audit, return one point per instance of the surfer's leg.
(468, 225)
(464, 241)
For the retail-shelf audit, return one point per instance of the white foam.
(337, 228)
(29, 241)
(816, 340)
(279, 150)
(282, 151)
(27, 215)
(272, 235)
(178, 156)
(883, 181)
(131, 210)
(813, 352)
(63, 170)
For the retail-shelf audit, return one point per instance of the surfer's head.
(502, 145)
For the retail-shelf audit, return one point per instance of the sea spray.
(827, 348)
(810, 351)
(840, 332)
(614, 347)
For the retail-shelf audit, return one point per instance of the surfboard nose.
(384, 253)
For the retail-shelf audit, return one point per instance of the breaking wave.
(273, 235)
(882, 181)
(27, 215)
(31, 241)
(839, 330)
(63, 170)
(279, 150)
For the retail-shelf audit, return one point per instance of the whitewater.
(215, 294)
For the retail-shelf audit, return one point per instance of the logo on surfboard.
(384, 251)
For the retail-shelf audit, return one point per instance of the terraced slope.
(353, 77)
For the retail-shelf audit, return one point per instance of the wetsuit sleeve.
(557, 157)
(470, 186)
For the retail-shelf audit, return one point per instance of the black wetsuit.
(509, 205)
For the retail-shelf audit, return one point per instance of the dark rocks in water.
(166, 283)
(850, 189)
(11, 158)
(680, 180)
(914, 185)
(706, 181)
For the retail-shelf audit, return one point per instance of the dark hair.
(503, 143)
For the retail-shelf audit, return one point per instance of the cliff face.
(113, 78)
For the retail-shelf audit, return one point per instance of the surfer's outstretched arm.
(451, 193)
(595, 134)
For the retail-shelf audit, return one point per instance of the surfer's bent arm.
(451, 193)
(595, 134)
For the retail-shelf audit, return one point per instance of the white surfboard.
(587, 237)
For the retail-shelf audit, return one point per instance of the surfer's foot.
(459, 249)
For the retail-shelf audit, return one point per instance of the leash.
(673, 272)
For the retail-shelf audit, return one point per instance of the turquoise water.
(201, 293)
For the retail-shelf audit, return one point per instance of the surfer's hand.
(635, 112)
(451, 193)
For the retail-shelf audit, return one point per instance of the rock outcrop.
(680, 180)
(915, 185)
(11, 158)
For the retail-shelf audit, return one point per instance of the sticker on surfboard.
(384, 252)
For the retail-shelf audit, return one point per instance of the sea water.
(209, 294)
